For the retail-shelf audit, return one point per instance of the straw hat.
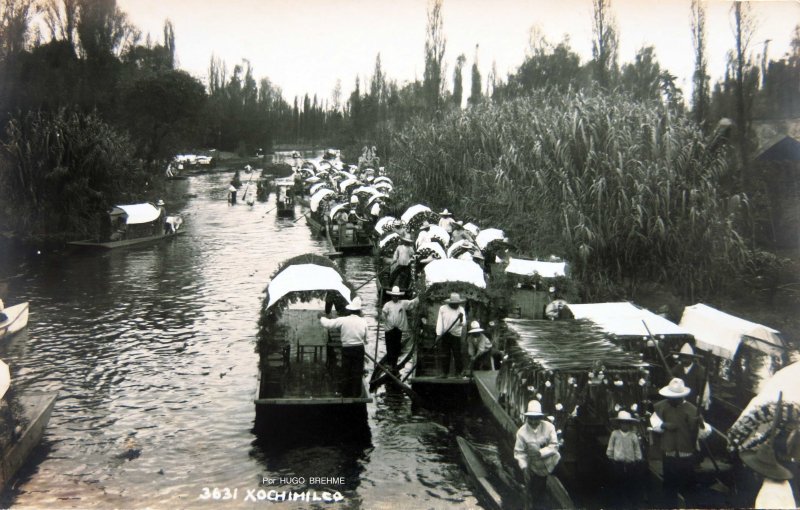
(353, 200)
(477, 255)
(445, 213)
(354, 305)
(406, 239)
(475, 327)
(425, 225)
(534, 409)
(455, 299)
(686, 350)
(160, 202)
(625, 416)
(762, 460)
(395, 291)
(675, 389)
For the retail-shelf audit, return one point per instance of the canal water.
(152, 352)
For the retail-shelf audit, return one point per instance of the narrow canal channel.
(152, 351)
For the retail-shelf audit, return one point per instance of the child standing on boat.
(625, 452)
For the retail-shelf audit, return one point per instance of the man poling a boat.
(401, 263)
(353, 328)
(693, 375)
(395, 318)
(536, 452)
(449, 328)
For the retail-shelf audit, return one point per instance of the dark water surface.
(152, 351)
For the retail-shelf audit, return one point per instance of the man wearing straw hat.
(446, 221)
(679, 423)
(449, 328)
(693, 375)
(536, 452)
(480, 349)
(401, 263)
(394, 315)
(353, 329)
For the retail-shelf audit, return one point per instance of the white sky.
(306, 45)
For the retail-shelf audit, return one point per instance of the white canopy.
(485, 237)
(137, 213)
(625, 319)
(437, 231)
(345, 183)
(5, 378)
(317, 197)
(366, 189)
(300, 277)
(413, 211)
(383, 186)
(721, 333)
(532, 267)
(336, 209)
(454, 270)
(386, 239)
(472, 228)
(318, 186)
(435, 247)
(386, 220)
(376, 197)
(383, 178)
(348, 175)
(311, 180)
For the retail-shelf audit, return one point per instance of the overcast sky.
(306, 45)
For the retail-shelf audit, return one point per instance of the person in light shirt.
(536, 452)
(625, 453)
(446, 221)
(401, 263)
(395, 319)
(449, 329)
(353, 329)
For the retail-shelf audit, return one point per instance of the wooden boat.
(299, 360)
(439, 279)
(36, 409)
(17, 319)
(134, 224)
(480, 474)
(284, 197)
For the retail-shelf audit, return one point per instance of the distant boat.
(135, 224)
(36, 413)
(17, 319)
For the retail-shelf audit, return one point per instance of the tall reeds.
(623, 191)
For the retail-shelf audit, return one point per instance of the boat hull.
(17, 319)
(110, 245)
(37, 410)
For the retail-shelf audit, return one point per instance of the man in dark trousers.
(353, 328)
(693, 375)
(449, 329)
(395, 318)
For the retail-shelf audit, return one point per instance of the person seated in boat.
(459, 233)
(424, 236)
(536, 452)
(3, 315)
(395, 318)
(481, 351)
(625, 453)
(400, 274)
(554, 309)
(449, 329)
(353, 328)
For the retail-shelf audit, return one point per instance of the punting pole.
(406, 389)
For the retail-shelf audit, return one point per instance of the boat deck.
(125, 242)
(37, 408)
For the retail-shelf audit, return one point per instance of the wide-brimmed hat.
(458, 224)
(625, 416)
(455, 299)
(534, 409)
(406, 239)
(675, 389)
(395, 291)
(445, 213)
(762, 460)
(425, 225)
(160, 202)
(477, 255)
(354, 305)
(687, 350)
(475, 327)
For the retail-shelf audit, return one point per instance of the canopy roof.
(387, 239)
(383, 185)
(625, 319)
(318, 186)
(485, 237)
(721, 333)
(472, 228)
(305, 277)
(437, 231)
(454, 270)
(365, 189)
(434, 247)
(347, 182)
(413, 211)
(377, 196)
(338, 208)
(531, 267)
(573, 345)
(348, 175)
(137, 213)
(317, 197)
(5, 378)
(382, 178)
(310, 180)
(386, 220)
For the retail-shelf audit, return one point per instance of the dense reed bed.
(625, 191)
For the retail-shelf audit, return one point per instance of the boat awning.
(413, 211)
(625, 319)
(365, 189)
(311, 180)
(5, 378)
(381, 179)
(375, 197)
(305, 277)
(485, 237)
(347, 182)
(386, 220)
(337, 208)
(383, 186)
(434, 247)
(454, 270)
(472, 228)
(317, 187)
(137, 213)
(531, 267)
(317, 197)
(437, 231)
(348, 175)
(721, 333)
(387, 239)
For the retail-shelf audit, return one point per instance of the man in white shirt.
(449, 328)
(424, 235)
(395, 319)
(446, 221)
(536, 451)
(401, 263)
(353, 329)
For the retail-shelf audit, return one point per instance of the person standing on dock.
(353, 328)
(536, 452)
(679, 424)
(395, 318)
(449, 328)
